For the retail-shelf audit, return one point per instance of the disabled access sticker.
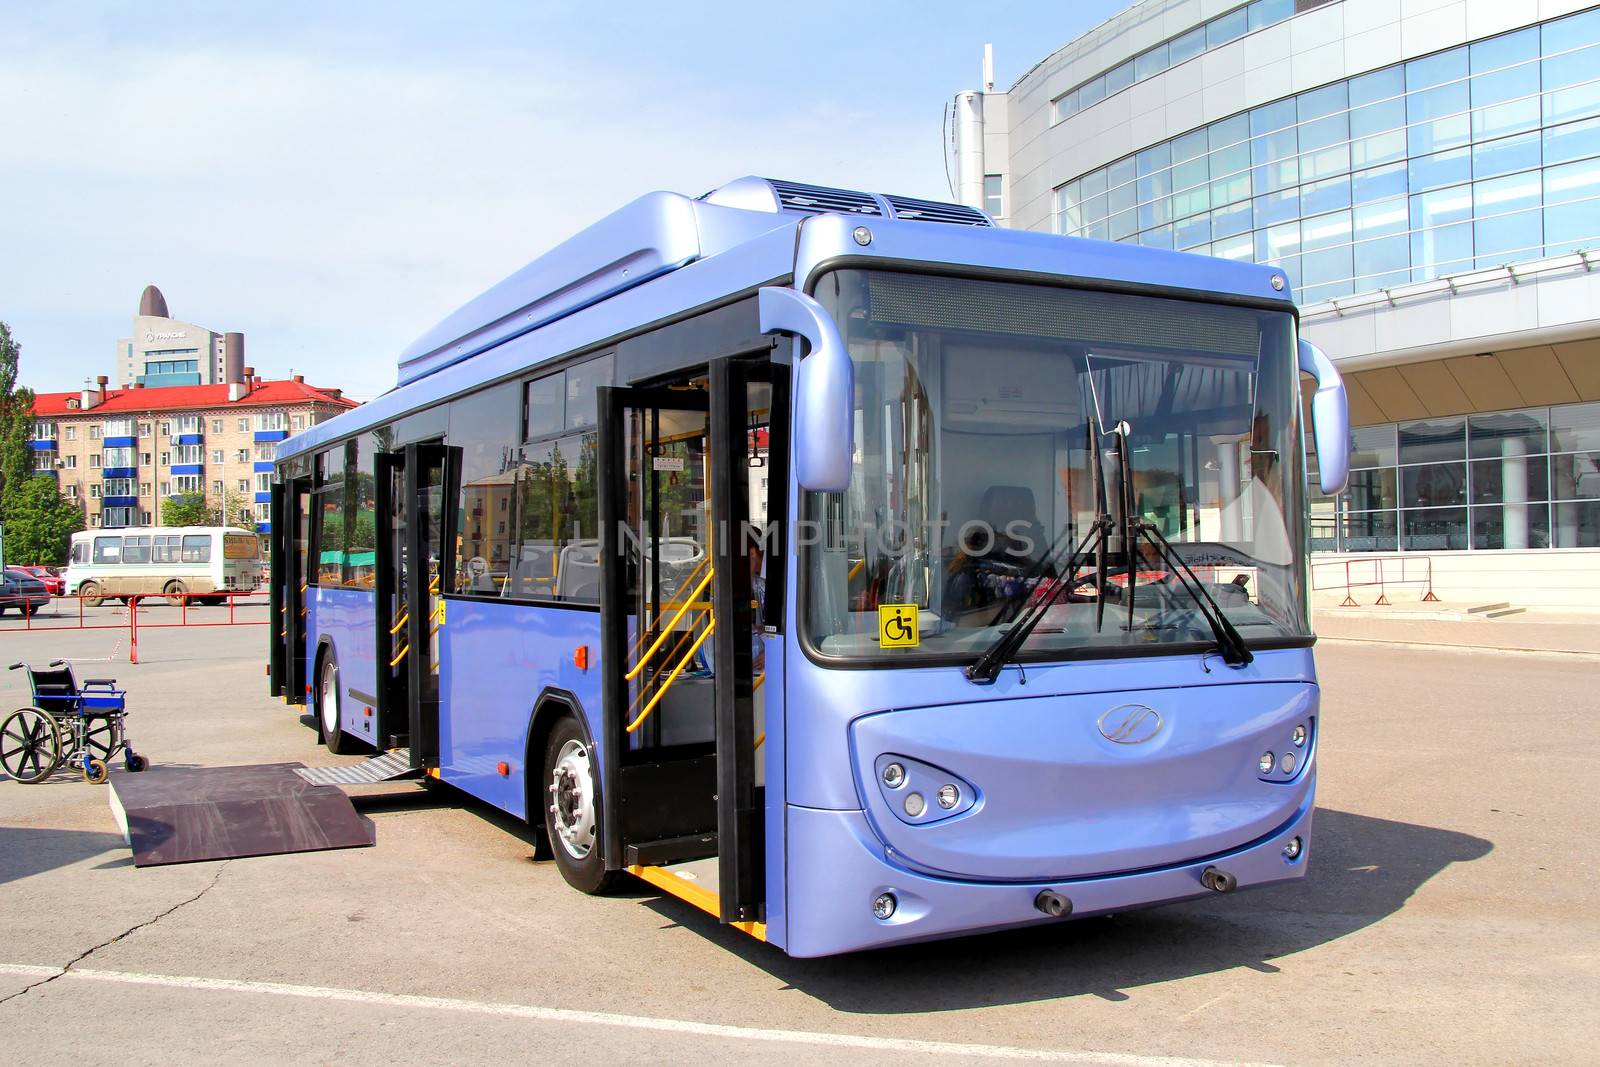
(897, 626)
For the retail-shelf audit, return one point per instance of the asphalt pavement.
(1451, 914)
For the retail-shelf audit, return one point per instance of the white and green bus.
(178, 562)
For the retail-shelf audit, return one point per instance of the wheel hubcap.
(572, 800)
(330, 701)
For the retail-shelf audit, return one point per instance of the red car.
(54, 583)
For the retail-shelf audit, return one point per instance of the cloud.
(334, 206)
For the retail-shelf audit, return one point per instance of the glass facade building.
(1472, 157)
(1505, 479)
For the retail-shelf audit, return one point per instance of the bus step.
(672, 850)
(389, 767)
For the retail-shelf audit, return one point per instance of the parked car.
(51, 577)
(21, 590)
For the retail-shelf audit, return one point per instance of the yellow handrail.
(405, 617)
(855, 570)
(671, 604)
(659, 641)
(682, 663)
(396, 661)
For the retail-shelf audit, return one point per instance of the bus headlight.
(920, 793)
(1266, 762)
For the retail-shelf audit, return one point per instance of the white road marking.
(601, 1018)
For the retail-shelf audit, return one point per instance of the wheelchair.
(69, 725)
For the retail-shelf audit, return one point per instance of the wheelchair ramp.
(188, 814)
(389, 767)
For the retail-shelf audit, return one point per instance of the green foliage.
(16, 426)
(42, 522)
(187, 509)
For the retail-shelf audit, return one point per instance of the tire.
(30, 745)
(174, 592)
(93, 596)
(333, 736)
(95, 772)
(134, 762)
(572, 814)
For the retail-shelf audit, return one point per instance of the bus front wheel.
(175, 593)
(91, 594)
(572, 809)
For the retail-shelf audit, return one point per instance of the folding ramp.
(189, 814)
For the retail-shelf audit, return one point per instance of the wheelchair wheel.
(134, 762)
(30, 745)
(100, 738)
(95, 772)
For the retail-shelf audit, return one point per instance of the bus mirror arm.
(824, 389)
(1330, 418)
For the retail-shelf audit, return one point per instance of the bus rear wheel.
(572, 817)
(174, 592)
(333, 735)
(92, 595)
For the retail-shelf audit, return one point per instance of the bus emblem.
(1130, 724)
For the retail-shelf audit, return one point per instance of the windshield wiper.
(1230, 643)
(986, 668)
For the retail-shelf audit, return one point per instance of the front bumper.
(837, 866)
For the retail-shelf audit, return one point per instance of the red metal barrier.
(127, 618)
(1379, 571)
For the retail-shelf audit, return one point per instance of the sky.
(332, 179)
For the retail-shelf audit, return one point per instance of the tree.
(42, 522)
(186, 509)
(16, 425)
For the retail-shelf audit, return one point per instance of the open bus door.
(393, 728)
(287, 553)
(415, 488)
(678, 748)
(423, 571)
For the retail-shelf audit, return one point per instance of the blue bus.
(848, 567)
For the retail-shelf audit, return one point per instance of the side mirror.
(824, 388)
(1330, 418)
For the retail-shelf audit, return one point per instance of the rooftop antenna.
(988, 68)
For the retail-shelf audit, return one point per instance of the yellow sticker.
(897, 626)
(438, 611)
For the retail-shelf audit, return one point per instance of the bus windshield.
(979, 406)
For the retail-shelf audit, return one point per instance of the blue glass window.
(1091, 92)
(1264, 13)
(1326, 195)
(1506, 155)
(1569, 64)
(1572, 206)
(1441, 239)
(1379, 183)
(1508, 223)
(1160, 237)
(1227, 221)
(1505, 84)
(1224, 28)
(1441, 168)
(1151, 63)
(1119, 78)
(1575, 140)
(1276, 207)
(1192, 232)
(1187, 46)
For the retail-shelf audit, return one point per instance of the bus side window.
(197, 548)
(80, 552)
(107, 549)
(136, 550)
